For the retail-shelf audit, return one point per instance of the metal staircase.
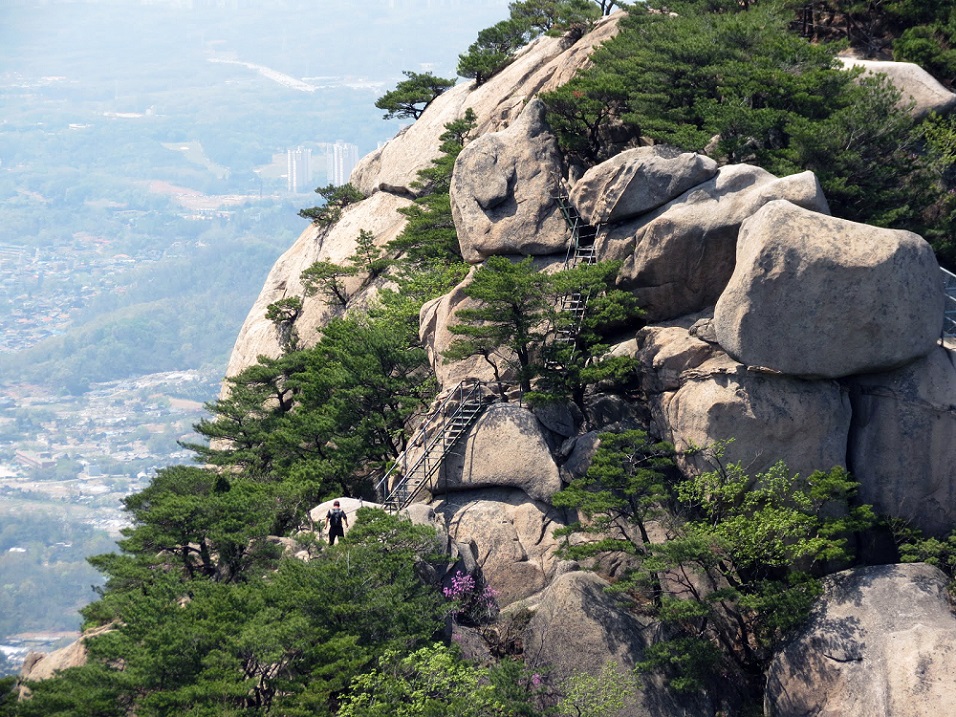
(416, 468)
(581, 250)
(949, 312)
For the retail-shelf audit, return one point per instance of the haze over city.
(153, 157)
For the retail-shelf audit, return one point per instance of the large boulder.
(678, 258)
(512, 537)
(576, 627)
(920, 92)
(703, 397)
(545, 64)
(438, 315)
(817, 296)
(666, 353)
(903, 441)
(434, 320)
(503, 188)
(257, 337)
(42, 666)
(506, 447)
(350, 505)
(636, 181)
(882, 641)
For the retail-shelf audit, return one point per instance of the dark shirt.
(335, 516)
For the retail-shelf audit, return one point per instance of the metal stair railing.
(949, 311)
(581, 250)
(434, 438)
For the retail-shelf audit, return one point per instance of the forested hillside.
(226, 600)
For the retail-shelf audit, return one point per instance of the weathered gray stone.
(678, 258)
(769, 417)
(503, 188)
(560, 417)
(666, 352)
(882, 641)
(394, 166)
(514, 546)
(545, 64)
(506, 447)
(582, 451)
(817, 296)
(257, 337)
(576, 626)
(903, 441)
(636, 181)
(42, 666)
(610, 412)
(915, 84)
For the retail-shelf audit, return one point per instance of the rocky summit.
(797, 335)
(769, 327)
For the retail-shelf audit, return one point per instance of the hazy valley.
(143, 197)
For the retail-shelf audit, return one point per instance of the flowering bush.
(471, 603)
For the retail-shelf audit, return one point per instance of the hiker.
(334, 520)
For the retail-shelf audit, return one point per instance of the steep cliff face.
(387, 176)
(797, 335)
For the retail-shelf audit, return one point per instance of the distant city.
(148, 180)
(236, 5)
(338, 160)
(96, 449)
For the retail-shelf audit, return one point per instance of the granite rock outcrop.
(769, 325)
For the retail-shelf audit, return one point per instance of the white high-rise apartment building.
(299, 162)
(341, 159)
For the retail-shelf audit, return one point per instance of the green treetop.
(411, 96)
(336, 199)
(737, 570)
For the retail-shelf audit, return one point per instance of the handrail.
(949, 307)
(433, 429)
(574, 301)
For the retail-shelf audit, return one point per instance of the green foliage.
(431, 681)
(327, 278)
(746, 546)
(336, 199)
(8, 694)
(435, 681)
(511, 321)
(493, 50)
(322, 419)
(430, 262)
(200, 520)
(920, 32)
(367, 257)
(286, 641)
(601, 695)
(940, 552)
(625, 487)
(88, 691)
(568, 368)
(939, 215)
(254, 401)
(770, 98)
(518, 310)
(551, 17)
(413, 95)
(739, 558)
(496, 45)
(282, 314)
